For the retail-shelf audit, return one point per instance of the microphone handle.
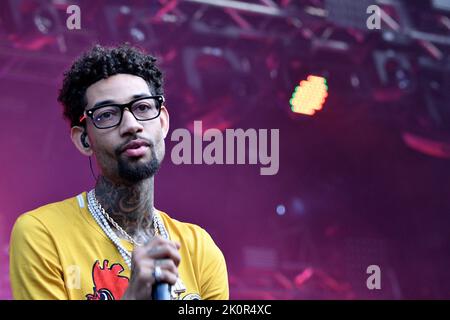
(161, 291)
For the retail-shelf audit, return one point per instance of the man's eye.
(143, 107)
(106, 115)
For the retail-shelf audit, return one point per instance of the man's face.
(133, 150)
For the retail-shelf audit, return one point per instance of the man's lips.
(135, 148)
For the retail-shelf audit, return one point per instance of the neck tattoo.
(131, 207)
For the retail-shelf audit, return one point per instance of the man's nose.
(129, 123)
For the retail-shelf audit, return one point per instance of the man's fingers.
(158, 253)
(156, 242)
(168, 277)
(167, 264)
(145, 275)
(164, 264)
(164, 251)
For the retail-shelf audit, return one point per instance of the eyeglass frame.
(90, 112)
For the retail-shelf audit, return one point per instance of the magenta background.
(355, 194)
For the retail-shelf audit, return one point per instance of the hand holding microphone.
(154, 268)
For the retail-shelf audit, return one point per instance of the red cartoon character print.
(108, 283)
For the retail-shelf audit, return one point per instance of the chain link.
(119, 228)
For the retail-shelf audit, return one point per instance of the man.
(111, 243)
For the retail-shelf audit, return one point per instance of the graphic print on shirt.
(192, 296)
(108, 283)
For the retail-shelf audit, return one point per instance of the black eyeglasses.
(110, 115)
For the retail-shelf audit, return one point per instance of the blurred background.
(363, 112)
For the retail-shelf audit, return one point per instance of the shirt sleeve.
(35, 268)
(214, 275)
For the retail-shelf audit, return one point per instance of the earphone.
(83, 140)
(87, 145)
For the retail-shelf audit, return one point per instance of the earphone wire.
(92, 170)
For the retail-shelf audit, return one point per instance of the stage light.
(309, 96)
(281, 209)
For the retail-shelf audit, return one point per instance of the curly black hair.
(100, 63)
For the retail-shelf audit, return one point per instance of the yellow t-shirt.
(58, 251)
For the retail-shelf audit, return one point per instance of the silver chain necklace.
(123, 232)
(101, 217)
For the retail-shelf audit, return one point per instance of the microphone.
(161, 291)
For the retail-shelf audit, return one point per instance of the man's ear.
(164, 120)
(76, 136)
